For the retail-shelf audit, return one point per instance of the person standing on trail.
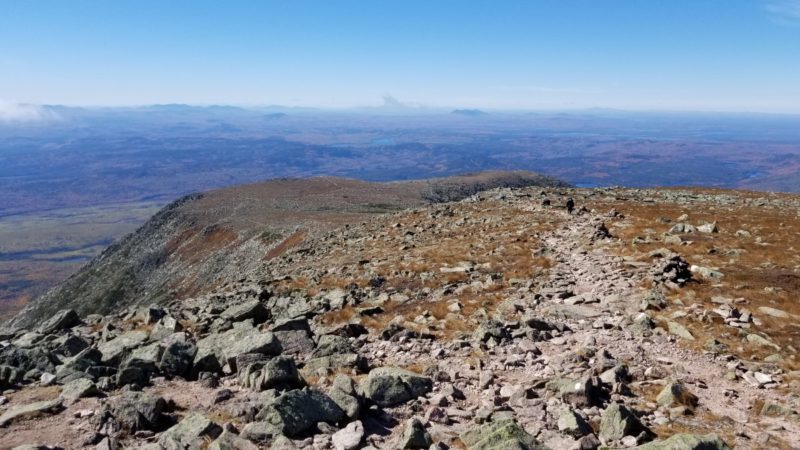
(570, 205)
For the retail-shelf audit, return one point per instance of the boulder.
(330, 344)
(500, 435)
(9, 376)
(27, 359)
(139, 365)
(71, 345)
(655, 299)
(78, 389)
(676, 394)
(681, 228)
(345, 360)
(278, 372)
(616, 422)
(774, 312)
(79, 365)
(349, 437)
(679, 330)
(295, 412)
(176, 360)
(134, 411)
(114, 351)
(572, 424)
(391, 386)
(262, 432)
(165, 327)
(191, 433)
(30, 410)
(63, 320)
(215, 350)
(708, 228)
(252, 309)
(231, 441)
(579, 393)
(415, 436)
(707, 272)
(343, 393)
(149, 314)
(295, 341)
(685, 441)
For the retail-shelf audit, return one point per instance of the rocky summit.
(650, 319)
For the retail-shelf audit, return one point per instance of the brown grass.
(294, 240)
(760, 270)
(498, 244)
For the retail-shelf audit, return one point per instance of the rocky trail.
(496, 322)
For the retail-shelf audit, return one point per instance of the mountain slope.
(203, 241)
(648, 319)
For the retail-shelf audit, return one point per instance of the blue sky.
(725, 55)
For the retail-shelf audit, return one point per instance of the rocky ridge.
(499, 321)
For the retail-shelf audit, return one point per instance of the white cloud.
(784, 12)
(23, 112)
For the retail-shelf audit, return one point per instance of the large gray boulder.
(391, 386)
(500, 435)
(116, 349)
(251, 309)
(617, 421)
(676, 394)
(278, 372)
(215, 350)
(687, 442)
(63, 320)
(78, 389)
(343, 393)
(136, 411)
(295, 412)
(415, 436)
(176, 361)
(191, 433)
(79, 365)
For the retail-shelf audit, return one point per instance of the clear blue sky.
(741, 55)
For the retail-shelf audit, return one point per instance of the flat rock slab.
(30, 410)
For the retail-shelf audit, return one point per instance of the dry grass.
(472, 262)
(762, 269)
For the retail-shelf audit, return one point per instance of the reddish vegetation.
(290, 242)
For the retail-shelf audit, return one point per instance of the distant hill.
(469, 112)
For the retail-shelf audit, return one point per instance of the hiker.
(570, 205)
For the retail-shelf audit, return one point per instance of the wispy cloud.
(783, 12)
(22, 112)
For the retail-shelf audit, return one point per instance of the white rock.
(349, 437)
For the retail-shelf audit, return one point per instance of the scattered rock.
(349, 437)
(191, 433)
(391, 386)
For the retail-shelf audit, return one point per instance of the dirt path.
(605, 289)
